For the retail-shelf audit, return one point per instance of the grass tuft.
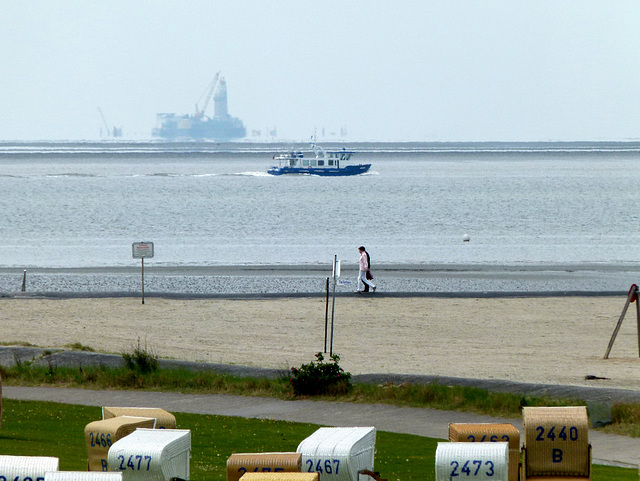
(76, 346)
(17, 343)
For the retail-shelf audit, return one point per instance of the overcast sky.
(412, 70)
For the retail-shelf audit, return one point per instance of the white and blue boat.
(329, 163)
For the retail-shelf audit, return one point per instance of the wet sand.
(557, 340)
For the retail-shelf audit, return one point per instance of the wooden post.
(632, 293)
(24, 281)
(142, 279)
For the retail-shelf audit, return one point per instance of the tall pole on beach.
(326, 317)
(336, 274)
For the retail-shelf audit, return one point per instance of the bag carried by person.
(369, 276)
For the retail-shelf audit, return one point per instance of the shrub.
(141, 360)
(320, 377)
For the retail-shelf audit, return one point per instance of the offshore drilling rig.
(199, 126)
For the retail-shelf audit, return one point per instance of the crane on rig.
(206, 95)
(115, 132)
(199, 126)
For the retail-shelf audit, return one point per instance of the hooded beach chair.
(339, 454)
(556, 444)
(472, 461)
(241, 463)
(164, 419)
(280, 477)
(22, 467)
(489, 432)
(83, 476)
(152, 455)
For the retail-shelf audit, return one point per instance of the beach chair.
(164, 419)
(339, 454)
(100, 435)
(472, 461)
(22, 467)
(241, 463)
(83, 476)
(152, 455)
(479, 432)
(556, 444)
(280, 477)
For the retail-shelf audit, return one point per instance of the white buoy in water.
(466, 238)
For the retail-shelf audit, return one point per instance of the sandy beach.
(547, 340)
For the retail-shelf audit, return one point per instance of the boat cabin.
(329, 159)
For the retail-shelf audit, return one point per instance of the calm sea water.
(83, 206)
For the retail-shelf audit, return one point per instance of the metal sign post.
(142, 251)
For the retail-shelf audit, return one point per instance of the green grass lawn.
(33, 428)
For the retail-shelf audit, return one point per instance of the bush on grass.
(320, 377)
(141, 360)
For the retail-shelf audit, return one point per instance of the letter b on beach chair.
(556, 444)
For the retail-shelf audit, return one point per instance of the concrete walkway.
(607, 449)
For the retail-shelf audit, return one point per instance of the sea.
(81, 205)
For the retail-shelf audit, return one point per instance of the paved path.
(607, 449)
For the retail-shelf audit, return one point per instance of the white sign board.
(142, 250)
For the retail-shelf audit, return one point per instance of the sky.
(446, 70)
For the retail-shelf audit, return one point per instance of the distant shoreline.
(316, 269)
(253, 281)
(155, 148)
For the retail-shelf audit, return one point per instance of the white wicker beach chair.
(152, 455)
(22, 467)
(472, 461)
(338, 454)
(492, 433)
(83, 476)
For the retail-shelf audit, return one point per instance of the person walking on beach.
(364, 275)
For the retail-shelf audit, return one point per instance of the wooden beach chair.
(556, 444)
(164, 419)
(241, 463)
(280, 477)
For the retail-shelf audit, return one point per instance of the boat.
(328, 163)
